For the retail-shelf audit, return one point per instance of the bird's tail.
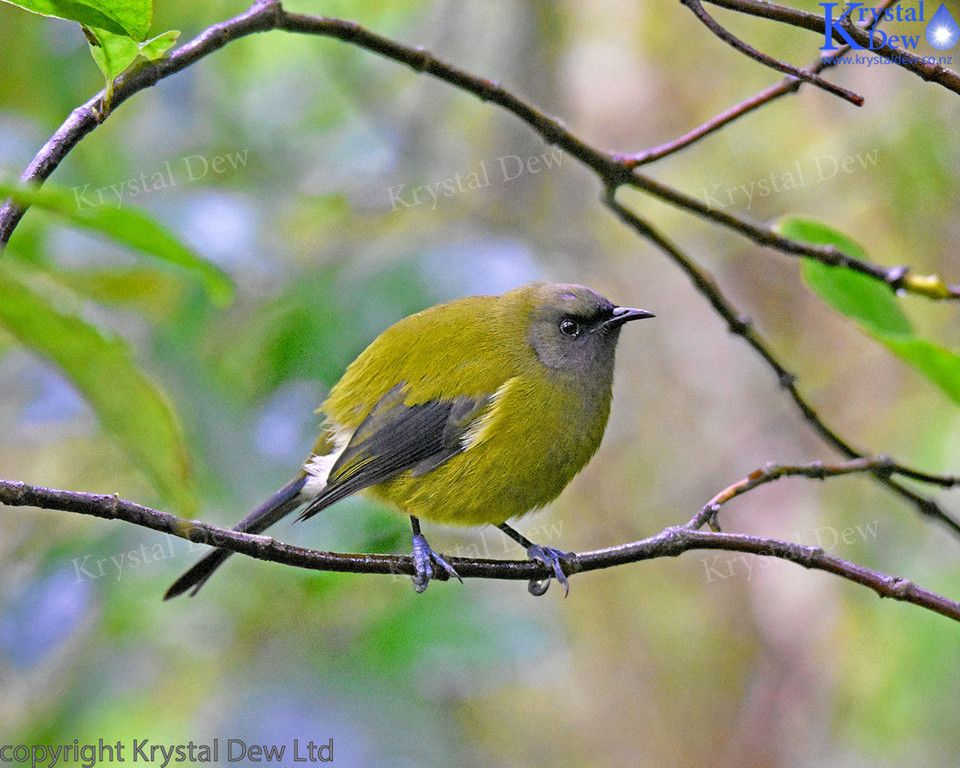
(281, 503)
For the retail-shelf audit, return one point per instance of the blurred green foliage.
(126, 403)
(126, 226)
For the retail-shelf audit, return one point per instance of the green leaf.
(127, 404)
(151, 293)
(872, 305)
(157, 47)
(939, 365)
(121, 17)
(858, 296)
(816, 233)
(114, 53)
(129, 226)
(853, 294)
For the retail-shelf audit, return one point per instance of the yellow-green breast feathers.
(496, 417)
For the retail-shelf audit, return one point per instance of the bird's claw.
(425, 560)
(550, 557)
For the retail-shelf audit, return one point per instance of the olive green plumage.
(467, 413)
(538, 427)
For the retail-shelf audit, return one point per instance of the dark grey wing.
(395, 438)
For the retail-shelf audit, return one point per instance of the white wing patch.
(480, 429)
(318, 467)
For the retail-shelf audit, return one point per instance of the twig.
(741, 325)
(268, 15)
(613, 170)
(771, 472)
(768, 61)
(85, 118)
(897, 278)
(926, 70)
(715, 123)
(669, 543)
(675, 541)
(784, 87)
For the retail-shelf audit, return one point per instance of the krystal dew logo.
(941, 31)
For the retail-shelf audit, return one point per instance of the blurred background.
(709, 657)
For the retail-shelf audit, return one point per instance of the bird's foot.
(551, 557)
(426, 561)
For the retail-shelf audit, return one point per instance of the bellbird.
(467, 413)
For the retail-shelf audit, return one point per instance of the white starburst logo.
(943, 36)
(942, 31)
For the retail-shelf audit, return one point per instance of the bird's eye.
(569, 327)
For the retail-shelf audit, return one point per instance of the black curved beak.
(623, 315)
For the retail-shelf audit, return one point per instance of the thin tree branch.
(789, 85)
(670, 542)
(734, 42)
(924, 69)
(85, 118)
(786, 86)
(267, 15)
(612, 168)
(614, 171)
(675, 541)
(894, 277)
(772, 472)
(741, 325)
